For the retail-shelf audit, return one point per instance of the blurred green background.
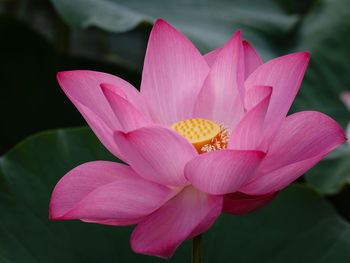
(308, 222)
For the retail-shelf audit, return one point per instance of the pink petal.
(345, 97)
(83, 89)
(83, 86)
(284, 74)
(224, 171)
(106, 190)
(115, 222)
(101, 129)
(157, 153)
(114, 89)
(207, 221)
(249, 133)
(173, 74)
(212, 56)
(129, 117)
(240, 204)
(251, 59)
(303, 139)
(276, 180)
(255, 95)
(164, 230)
(222, 94)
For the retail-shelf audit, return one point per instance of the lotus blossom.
(205, 135)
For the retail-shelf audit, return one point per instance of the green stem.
(197, 249)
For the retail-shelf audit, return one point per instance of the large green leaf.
(325, 33)
(333, 173)
(299, 226)
(209, 24)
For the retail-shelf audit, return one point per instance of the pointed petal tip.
(238, 35)
(109, 89)
(60, 75)
(303, 55)
(161, 23)
(306, 54)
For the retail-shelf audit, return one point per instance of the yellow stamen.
(205, 135)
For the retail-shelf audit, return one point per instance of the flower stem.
(197, 249)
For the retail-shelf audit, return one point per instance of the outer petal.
(240, 204)
(114, 222)
(256, 95)
(129, 117)
(224, 171)
(173, 74)
(83, 86)
(222, 94)
(157, 153)
(249, 133)
(212, 56)
(83, 89)
(251, 59)
(106, 190)
(164, 230)
(284, 74)
(278, 179)
(303, 139)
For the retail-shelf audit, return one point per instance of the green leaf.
(325, 34)
(299, 226)
(209, 24)
(332, 173)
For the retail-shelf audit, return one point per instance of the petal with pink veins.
(284, 74)
(106, 190)
(157, 153)
(239, 204)
(249, 132)
(115, 222)
(255, 95)
(83, 88)
(251, 59)
(164, 230)
(129, 117)
(101, 129)
(212, 56)
(224, 171)
(173, 74)
(303, 139)
(221, 98)
(278, 179)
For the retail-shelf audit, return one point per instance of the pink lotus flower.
(205, 134)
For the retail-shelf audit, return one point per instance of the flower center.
(205, 135)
